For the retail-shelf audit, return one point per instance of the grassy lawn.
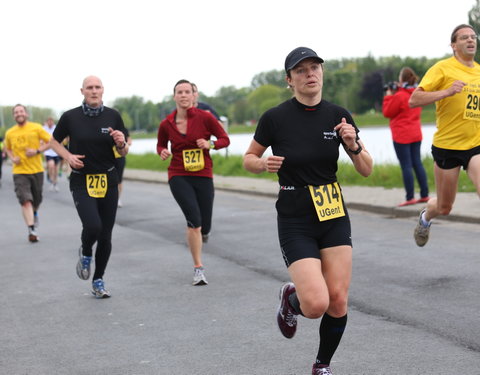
(386, 175)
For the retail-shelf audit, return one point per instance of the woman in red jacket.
(190, 175)
(407, 134)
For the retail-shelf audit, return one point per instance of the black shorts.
(56, 159)
(449, 159)
(304, 237)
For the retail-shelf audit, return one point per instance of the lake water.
(378, 142)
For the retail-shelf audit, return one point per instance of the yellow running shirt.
(458, 116)
(19, 138)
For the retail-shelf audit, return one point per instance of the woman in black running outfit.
(305, 134)
(93, 130)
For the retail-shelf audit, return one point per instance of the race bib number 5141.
(327, 200)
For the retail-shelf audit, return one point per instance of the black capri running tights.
(98, 218)
(194, 195)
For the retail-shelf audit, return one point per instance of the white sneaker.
(199, 277)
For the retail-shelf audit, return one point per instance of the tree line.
(354, 83)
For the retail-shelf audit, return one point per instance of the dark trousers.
(98, 218)
(409, 157)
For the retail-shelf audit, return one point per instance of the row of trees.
(356, 84)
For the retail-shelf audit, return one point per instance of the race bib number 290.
(327, 200)
(97, 185)
(472, 107)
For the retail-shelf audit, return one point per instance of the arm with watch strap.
(355, 148)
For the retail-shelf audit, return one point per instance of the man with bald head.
(94, 131)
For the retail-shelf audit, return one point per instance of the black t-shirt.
(89, 136)
(304, 135)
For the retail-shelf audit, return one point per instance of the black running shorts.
(304, 237)
(449, 159)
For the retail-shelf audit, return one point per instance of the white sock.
(425, 223)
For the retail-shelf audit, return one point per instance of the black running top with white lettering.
(305, 136)
(89, 136)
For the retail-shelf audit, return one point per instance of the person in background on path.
(202, 105)
(1, 159)
(120, 162)
(305, 134)
(24, 143)
(190, 173)
(93, 129)
(53, 160)
(407, 134)
(453, 84)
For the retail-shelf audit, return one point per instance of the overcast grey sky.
(143, 47)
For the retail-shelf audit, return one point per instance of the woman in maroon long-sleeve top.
(190, 175)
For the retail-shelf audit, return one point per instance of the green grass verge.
(384, 175)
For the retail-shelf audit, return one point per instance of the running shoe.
(421, 231)
(83, 265)
(317, 370)
(98, 289)
(199, 277)
(286, 316)
(32, 235)
(205, 237)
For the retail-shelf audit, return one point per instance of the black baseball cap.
(299, 54)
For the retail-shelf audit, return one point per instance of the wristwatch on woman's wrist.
(358, 150)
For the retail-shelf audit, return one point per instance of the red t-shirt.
(200, 124)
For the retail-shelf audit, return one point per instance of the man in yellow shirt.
(23, 147)
(453, 84)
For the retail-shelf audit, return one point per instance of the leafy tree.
(265, 97)
(474, 20)
(272, 77)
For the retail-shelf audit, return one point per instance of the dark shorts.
(304, 237)
(449, 159)
(56, 159)
(28, 187)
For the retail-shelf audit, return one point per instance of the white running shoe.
(199, 277)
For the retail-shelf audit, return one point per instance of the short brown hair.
(180, 82)
(453, 37)
(19, 105)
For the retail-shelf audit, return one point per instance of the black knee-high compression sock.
(295, 303)
(331, 331)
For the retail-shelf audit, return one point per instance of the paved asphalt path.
(412, 310)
